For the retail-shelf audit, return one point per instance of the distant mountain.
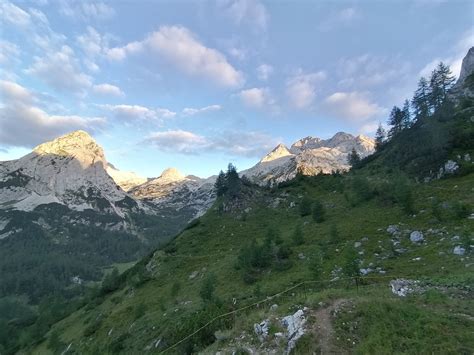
(189, 195)
(309, 156)
(127, 180)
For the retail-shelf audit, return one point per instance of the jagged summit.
(467, 67)
(78, 144)
(171, 175)
(278, 152)
(306, 143)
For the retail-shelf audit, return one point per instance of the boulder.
(393, 229)
(416, 237)
(261, 329)
(402, 287)
(294, 325)
(459, 250)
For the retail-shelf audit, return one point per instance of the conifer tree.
(233, 181)
(406, 119)
(353, 157)
(221, 184)
(319, 213)
(395, 121)
(379, 137)
(298, 237)
(440, 82)
(420, 102)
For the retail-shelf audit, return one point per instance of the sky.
(198, 84)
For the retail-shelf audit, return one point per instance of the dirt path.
(323, 328)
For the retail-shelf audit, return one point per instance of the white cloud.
(343, 17)
(301, 88)
(133, 112)
(108, 89)
(252, 12)
(177, 141)
(86, 10)
(454, 59)
(239, 53)
(264, 71)
(353, 106)
(8, 52)
(236, 143)
(61, 71)
(24, 124)
(181, 48)
(256, 97)
(189, 111)
(368, 70)
(14, 15)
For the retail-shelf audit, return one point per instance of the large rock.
(402, 287)
(261, 329)
(416, 237)
(295, 329)
(459, 250)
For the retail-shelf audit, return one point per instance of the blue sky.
(197, 84)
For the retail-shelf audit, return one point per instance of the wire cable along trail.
(268, 298)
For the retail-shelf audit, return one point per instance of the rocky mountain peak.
(467, 67)
(78, 144)
(278, 152)
(306, 143)
(171, 175)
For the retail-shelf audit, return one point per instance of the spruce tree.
(421, 102)
(440, 82)
(406, 118)
(319, 213)
(298, 236)
(234, 184)
(221, 184)
(353, 158)
(379, 137)
(395, 121)
(305, 206)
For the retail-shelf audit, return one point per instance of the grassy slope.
(212, 247)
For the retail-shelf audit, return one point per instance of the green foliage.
(353, 158)
(111, 281)
(350, 267)
(175, 289)
(208, 287)
(140, 310)
(305, 206)
(298, 236)
(318, 212)
(55, 343)
(316, 267)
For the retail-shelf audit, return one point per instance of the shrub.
(305, 206)
(298, 236)
(319, 212)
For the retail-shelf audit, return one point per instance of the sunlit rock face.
(70, 170)
(309, 156)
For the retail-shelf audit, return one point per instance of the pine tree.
(221, 184)
(395, 121)
(406, 119)
(234, 184)
(318, 212)
(379, 137)
(305, 206)
(298, 236)
(353, 158)
(440, 82)
(420, 102)
(208, 288)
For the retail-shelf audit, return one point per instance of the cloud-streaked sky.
(196, 84)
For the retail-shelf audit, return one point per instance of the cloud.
(352, 106)
(343, 17)
(301, 88)
(256, 97)
(177, 141)
(236, 143)
(86, 10)
(134, 112)
(60, 70)
(14, 15)
(454, 59)
(181, 48)
(368, 71)
(251, 12)
(8, 52)
(264, 71)
(24, 124)
(189, 111)
(108, 89)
